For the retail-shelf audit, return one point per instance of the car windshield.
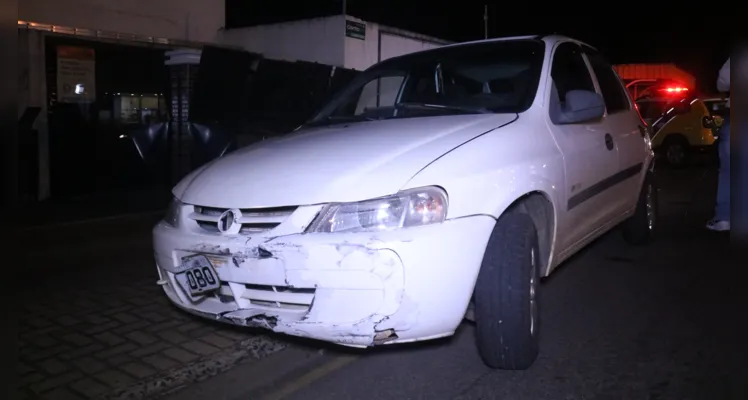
(487, 77)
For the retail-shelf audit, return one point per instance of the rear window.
(650, 110)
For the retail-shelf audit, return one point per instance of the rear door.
(589, 159)
(626, 128)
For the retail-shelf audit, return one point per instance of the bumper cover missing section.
(349, 289)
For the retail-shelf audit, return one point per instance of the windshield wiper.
(429, 106)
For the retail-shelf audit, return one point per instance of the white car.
(438, 184)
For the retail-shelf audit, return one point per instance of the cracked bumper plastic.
(355, 289)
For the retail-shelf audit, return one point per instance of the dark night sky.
(691, 42)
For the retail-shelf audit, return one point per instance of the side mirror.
(582, 106)
(708, 122)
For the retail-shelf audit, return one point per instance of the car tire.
(676, 151)
(641, 228)
(506, 295)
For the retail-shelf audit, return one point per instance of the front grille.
(253, 220)
(280, 297)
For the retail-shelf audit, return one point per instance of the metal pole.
(485, 21)
(344, 7)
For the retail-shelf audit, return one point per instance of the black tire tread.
(502, 295)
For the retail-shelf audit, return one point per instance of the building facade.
(92, 71)
(85, 65)
(339, 40)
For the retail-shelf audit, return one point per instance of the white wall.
(323, 40)
(315, 40)
(361, 54)
(193, 20)
(396, 45)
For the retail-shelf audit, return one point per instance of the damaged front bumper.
(354, 289)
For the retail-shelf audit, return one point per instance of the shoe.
(719, 226)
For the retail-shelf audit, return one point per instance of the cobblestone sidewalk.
(105, 330)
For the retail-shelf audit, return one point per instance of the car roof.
(548, 39)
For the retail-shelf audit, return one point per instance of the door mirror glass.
(582, 106)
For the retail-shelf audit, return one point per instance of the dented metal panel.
(350, 289)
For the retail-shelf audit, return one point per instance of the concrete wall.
(314, 40)
(394, 45)
(361, 54)
(193, 20)
(323, 40)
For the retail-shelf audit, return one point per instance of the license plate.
(199, 276)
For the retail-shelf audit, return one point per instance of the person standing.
(721, 220)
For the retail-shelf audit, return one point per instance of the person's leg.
(721, 220)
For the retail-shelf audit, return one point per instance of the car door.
(590, 158)
(627, 130)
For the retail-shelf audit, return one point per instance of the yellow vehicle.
(717, 106)
(681, 126)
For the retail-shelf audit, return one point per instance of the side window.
(569, 71)
(613, 91)
(651, 109)
(381, 92)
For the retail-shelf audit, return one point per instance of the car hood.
(337, 163)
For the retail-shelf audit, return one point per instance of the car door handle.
(609, 141)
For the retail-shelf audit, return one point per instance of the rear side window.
(651, 109)
(613, 91)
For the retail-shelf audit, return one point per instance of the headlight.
(413, 207)
(173, 212)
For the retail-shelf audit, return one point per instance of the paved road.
(93, 323)
(620, 323)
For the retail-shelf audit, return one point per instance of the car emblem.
(228, 221)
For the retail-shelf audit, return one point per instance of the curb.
(255, 348)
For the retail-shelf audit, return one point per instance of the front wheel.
(506, 295)
(640, 228)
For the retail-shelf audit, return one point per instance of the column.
(183, 66)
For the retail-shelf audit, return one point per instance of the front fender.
(488, 174)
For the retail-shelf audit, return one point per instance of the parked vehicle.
(717, 106)
(437, 185)
(682, 126)
(639, 78)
